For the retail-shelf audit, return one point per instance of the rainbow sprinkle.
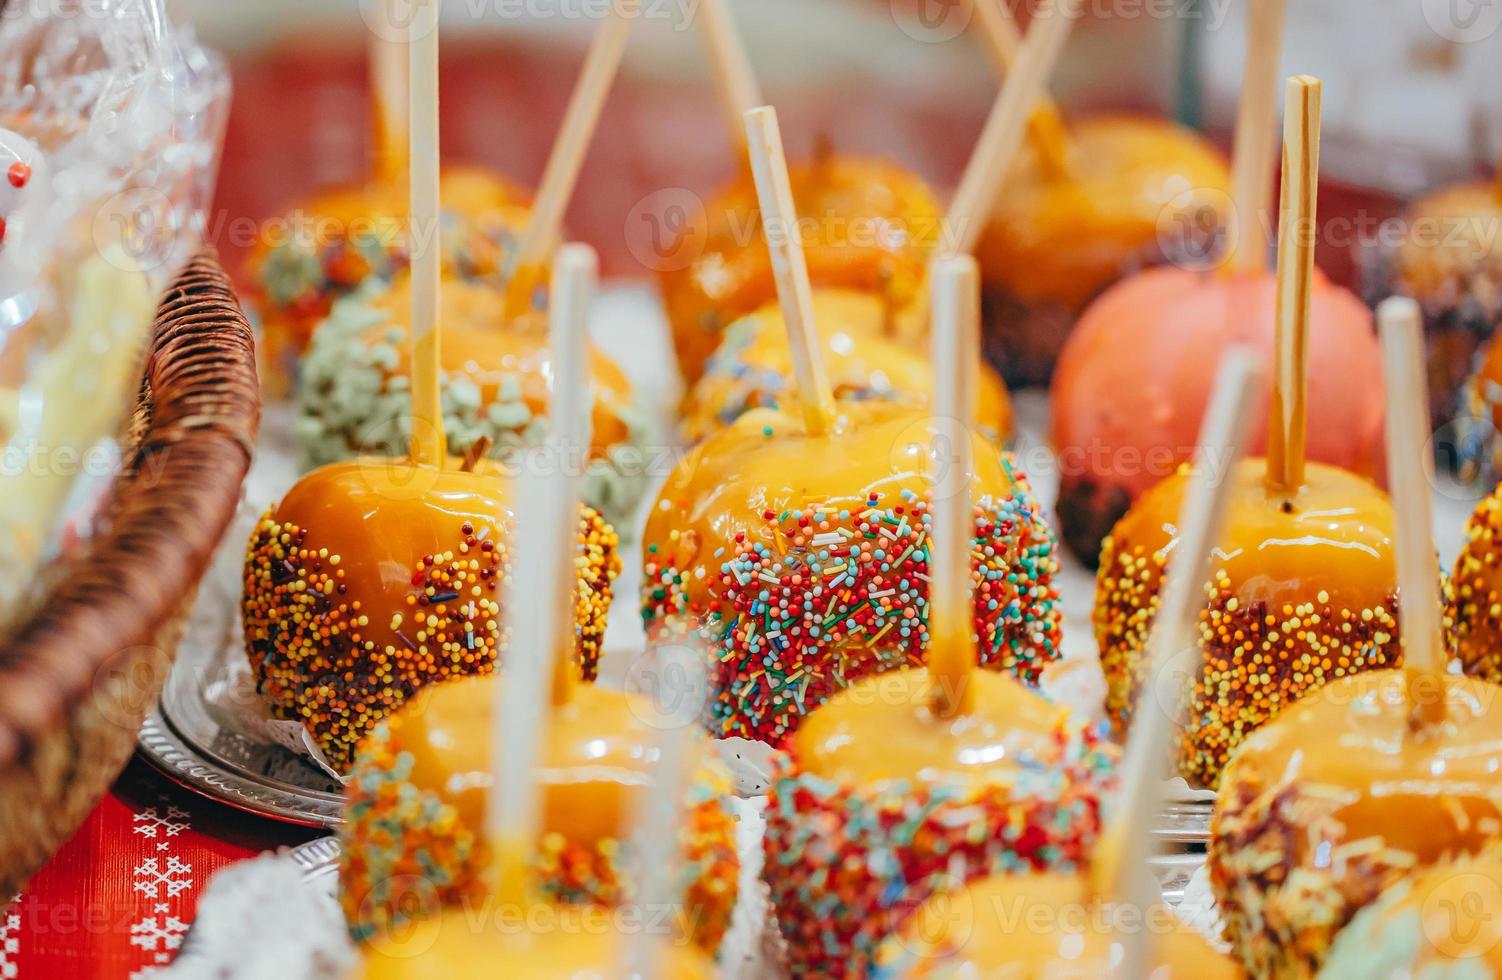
(830, 595)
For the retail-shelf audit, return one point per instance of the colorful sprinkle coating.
(1475, 610)
(1258, 658)
(846, 865)
(308, 639)
(836, 595)
(401, 841)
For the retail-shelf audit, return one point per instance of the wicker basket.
(77, 680)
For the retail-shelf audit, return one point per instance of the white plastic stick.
(1412, 481)
(1122, 871)
(956, 346)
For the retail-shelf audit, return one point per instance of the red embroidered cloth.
(117, 899)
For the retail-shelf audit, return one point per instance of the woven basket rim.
(165, 514)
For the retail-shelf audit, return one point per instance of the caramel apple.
(991, 928)
(1374, 776)
(373, 578)
(1337, 799)
(1057, 239)
(416, 815)
(1450, 260)
(1304, 592)
(353, 391)
(869, 227)
(1475, 600)
(753, 367)
(338, 241)
(805, 578)
(1441, 921)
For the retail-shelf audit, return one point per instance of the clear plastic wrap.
(111, 119)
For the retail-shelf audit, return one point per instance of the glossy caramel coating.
(753, 367)
(802, 560)
(884, 728)
(1442, 921)
(330, 245)
(418, 796)
(1475, 602)
(455, 946)
(1324, 808)
(866, 225)
(1131, 387)
(1056, 240)
(1303, 592)
(374, 577)
(1038, 927)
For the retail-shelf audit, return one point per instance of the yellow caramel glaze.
(1059, 239)
(465, 944)
(596, 757)
(883, 728)
(1431, 793)
(1034, 927)
(767, 462)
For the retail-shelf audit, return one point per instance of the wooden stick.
(569, 436)
(520, 714)
(956, 354)
(561, 175)
(1120, 869)
(1003, 43)
(657, 858)
(795, 293)
(429, 447)
(388, 89)
(1288, 420)
(735, 82)
(1256, 122)
(981, 185)
(1411, 476)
